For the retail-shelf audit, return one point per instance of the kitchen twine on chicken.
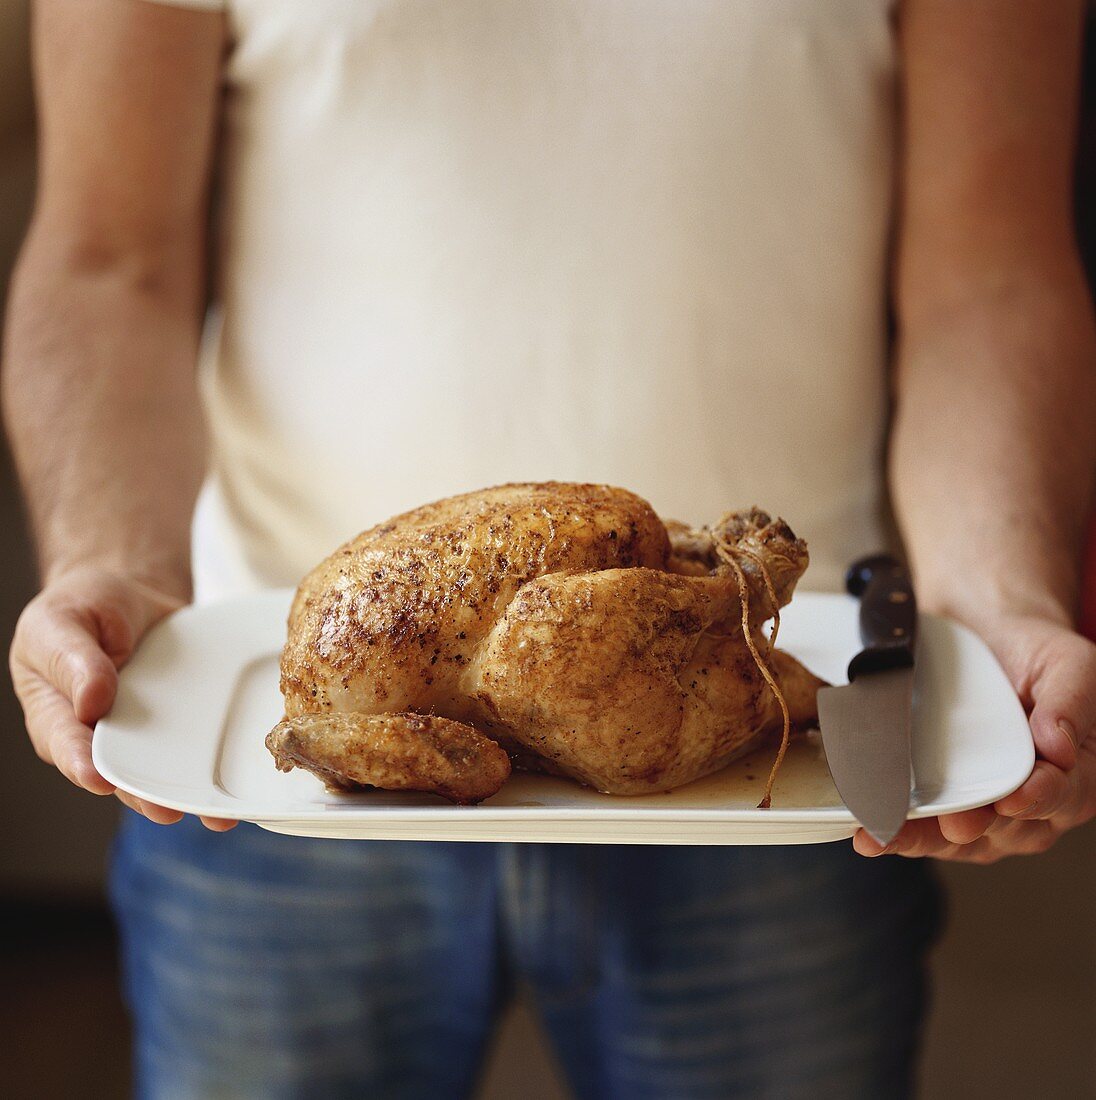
(729, 554)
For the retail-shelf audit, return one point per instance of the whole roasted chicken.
(564, 627)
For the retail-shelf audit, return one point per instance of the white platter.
(198, 698)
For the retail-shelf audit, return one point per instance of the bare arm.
(104, 316)
(104, 319)
(994, 443)
(997, 359)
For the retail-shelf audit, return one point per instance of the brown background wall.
(1015, 1002)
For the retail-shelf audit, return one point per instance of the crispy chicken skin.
(565, 622)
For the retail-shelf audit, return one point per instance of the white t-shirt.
(464, 242)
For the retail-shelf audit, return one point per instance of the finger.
(1004, 837)
(159, 815)
(1012, 838)
(1042, 794)
(1064, 697)
(866, 845)
(915, 840)
(62, 650)
(981, 852)
(130, 801)
(908, 836)
(968, 826)
(59, 739)
(162, 815)
(922, 838)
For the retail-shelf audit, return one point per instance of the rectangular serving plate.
(199, 696)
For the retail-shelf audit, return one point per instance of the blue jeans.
(267, 966)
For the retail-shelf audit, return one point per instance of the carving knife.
(866, 723)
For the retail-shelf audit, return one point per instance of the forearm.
(993, 448)
(102, 409)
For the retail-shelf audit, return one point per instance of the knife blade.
(866, 724)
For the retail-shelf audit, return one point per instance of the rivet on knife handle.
(888, 614)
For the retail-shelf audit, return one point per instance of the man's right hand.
(69, 643)
(101, 343)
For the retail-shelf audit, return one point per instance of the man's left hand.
(1053, 671)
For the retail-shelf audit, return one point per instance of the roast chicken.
(561, 628)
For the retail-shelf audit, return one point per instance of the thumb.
(1063, 700)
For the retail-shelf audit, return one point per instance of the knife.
(866, 724)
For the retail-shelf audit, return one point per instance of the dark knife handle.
(888, 614)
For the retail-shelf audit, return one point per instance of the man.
(459, 243)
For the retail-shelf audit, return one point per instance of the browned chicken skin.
(565, 622)
(415, 752)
